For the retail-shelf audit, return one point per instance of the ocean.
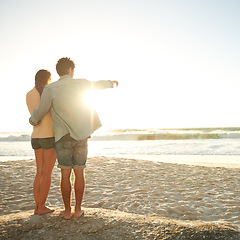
(147, 144)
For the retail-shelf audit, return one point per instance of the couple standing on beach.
(62, 125)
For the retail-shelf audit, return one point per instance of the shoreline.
(174, 191)
(226, 161)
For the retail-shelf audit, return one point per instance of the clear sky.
(177, 62)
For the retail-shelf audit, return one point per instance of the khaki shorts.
(45, 143)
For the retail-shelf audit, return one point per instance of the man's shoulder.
(66, 81)
(52, 85)
(76, 81)
(81, 79)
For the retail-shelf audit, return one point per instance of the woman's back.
(45, 128)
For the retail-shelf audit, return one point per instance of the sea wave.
(168, 134)
(15, 138)
(146, 134)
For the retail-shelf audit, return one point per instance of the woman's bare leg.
(38, 177)
(48, 164)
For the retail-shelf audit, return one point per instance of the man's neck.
(70, 75)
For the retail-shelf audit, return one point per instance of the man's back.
(70, 114)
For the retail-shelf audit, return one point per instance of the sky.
(177, 62)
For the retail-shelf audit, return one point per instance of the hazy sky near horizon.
(177, 62)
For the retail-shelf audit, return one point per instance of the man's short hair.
(63, 66)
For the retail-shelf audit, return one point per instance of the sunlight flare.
(90, 98)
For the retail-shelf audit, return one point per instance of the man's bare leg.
(79, 186)
(48, 164)
(66, 189)
(38, 177)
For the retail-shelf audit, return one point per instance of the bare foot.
(44, 211)
(66, 214)
(35, 211)
(78, 214)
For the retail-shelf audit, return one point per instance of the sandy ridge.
(108, 224)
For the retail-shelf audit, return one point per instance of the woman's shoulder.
(33, 91)
(32, 94)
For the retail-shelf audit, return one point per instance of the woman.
(42, 140)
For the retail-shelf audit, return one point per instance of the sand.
(175, 194)
(99, 223)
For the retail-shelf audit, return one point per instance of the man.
(73, 123)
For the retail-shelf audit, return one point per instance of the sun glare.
(90, 98)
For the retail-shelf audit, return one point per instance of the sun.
(91, 98)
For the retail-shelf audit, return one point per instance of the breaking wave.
(168, 134)
(146, 134)
(15, 137)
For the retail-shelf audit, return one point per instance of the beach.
(175, 192)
